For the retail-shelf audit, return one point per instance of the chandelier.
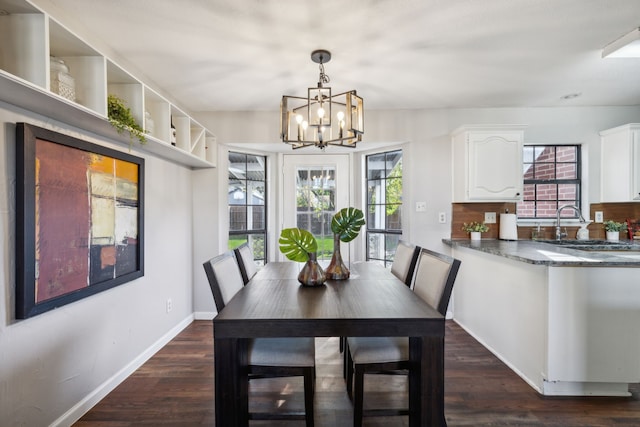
(321, 118)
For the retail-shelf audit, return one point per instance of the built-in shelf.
(28, 40)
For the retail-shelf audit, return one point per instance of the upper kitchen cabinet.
(46, 69)
(620, 167)
(487, 163)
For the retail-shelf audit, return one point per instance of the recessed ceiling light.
(570, 96)
(627, 46)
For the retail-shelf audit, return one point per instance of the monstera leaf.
(346, 223)
(296, 244)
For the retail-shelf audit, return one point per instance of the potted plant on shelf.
(345, 224)
(475, 229)
(121, 118)
(300, 245)
(613, 229)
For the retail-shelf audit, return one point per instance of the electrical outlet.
(490, 217)
(169, 305)
(442, 217)
(599, 217)
(421, 206)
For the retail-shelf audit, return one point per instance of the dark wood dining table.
(372, 302)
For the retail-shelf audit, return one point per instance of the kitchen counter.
(591, 254)
(565, 320)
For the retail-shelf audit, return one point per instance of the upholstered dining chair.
(244, 256)
(404, 261)
(403, 266)
(268, 357)
(433, 282)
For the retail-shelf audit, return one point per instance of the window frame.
(578, 182)
(262, 232)
(394, 233)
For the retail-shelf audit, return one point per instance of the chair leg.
(345, 359)
(308, 395)
(358, 398)
(349, 376)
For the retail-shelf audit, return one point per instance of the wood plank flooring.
(175, 388)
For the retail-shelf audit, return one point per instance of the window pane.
(375, 166)
(375, 192)
(375, 242)
(546, 192)
(526, 209)
(237, 218)
(256, 168)
(376, 217)
(566, 171)
(237, 193)
(567, 154)
(391, 244)
(394, 165)
(394, 190)
(256, 192)
(256, 218)
(237, 166)
(544, 171)
(394, 217)
(236, 240)
(568, 193)
(546, 209)
(529, 193)
(257, 244)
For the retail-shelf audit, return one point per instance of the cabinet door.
(495, 166)
(620, 164)
(635, 165)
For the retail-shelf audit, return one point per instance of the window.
(316, 205)
(384, 205)
(551, 179)
(247, 203)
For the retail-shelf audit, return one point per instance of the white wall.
(65, 359)
(425, 138)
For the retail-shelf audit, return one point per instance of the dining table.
(371, 302)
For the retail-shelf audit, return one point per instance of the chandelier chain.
(324, 78)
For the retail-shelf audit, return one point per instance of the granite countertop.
(600, 253)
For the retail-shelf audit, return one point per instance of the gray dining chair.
(268, 357)
(404, 261)
(433, 282)
(244, 256)
(403, 266)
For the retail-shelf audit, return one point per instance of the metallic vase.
(337, 270)
(312, 273)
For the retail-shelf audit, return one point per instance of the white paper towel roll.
(508, 227)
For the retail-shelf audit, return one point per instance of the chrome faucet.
(559, 233)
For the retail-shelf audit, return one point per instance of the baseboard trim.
(204, 315)
(82, 407)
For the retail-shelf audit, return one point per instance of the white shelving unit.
(29, 37)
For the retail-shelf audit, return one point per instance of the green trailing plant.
(615, 226)
(296, 244)
(474, 226)
(121, 118)
(347, 223)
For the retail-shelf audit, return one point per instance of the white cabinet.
(620, 167)
(487, 163)
(29, 38)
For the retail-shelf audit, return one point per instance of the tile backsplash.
(467, 212)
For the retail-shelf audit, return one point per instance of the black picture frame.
(79, 219)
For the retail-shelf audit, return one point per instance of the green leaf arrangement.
(121, 118)
(296, 244)
(615, 226)
(347, 223)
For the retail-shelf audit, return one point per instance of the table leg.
(426, 381)
(231, 382)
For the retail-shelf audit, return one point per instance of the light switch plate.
(490, 217)
(599, 217)
(442, 217)
(421, 206)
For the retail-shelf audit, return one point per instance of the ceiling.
(243, 55)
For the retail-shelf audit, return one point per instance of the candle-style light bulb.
(300, 130)
(299, 118)
(321, 112)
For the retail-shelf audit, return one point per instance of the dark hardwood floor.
(175, 388)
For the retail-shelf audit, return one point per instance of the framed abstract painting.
(79, 219)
